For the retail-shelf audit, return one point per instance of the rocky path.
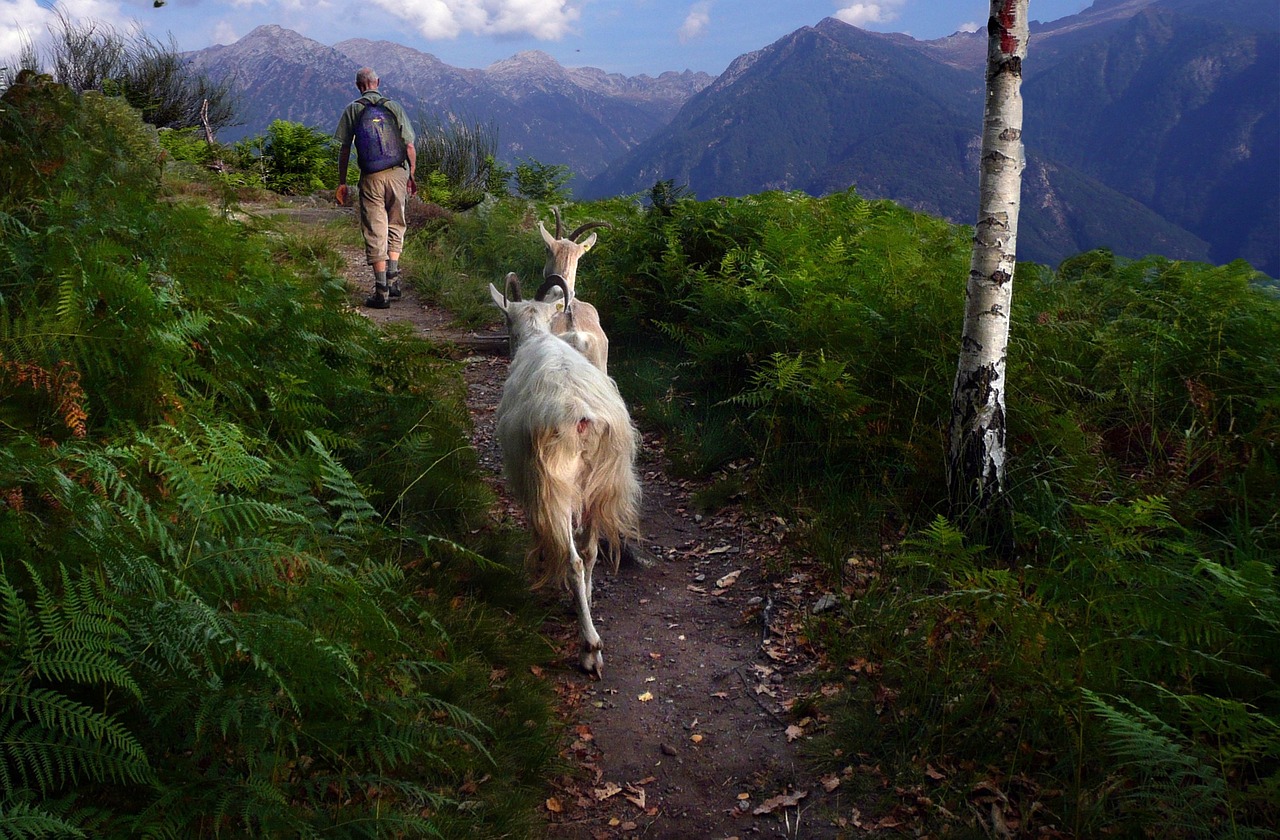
(697, 727)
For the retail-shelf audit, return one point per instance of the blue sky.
(623, 36)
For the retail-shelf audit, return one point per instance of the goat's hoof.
(592, 662)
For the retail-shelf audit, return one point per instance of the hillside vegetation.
(1119, 671)
(248, 588)
(239, 591)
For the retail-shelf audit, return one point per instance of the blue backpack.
(379, 145)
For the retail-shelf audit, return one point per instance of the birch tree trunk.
(976, 456)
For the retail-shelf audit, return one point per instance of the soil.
(696, 729)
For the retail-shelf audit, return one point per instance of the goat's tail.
(552, 499)
(612, 494)
(583, 477)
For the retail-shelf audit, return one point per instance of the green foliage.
(664, 195)
(187, 145)
(54, 140)
(793, 308)
(538, 181)
(296, 159)
(479, 248)
(1168, 371)
(459, 160)
(1123, 653)
(1122, 673)
(239, 592)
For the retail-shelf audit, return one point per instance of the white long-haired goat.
(568, 451)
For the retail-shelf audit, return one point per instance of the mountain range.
(1151, 126)
(582, 117)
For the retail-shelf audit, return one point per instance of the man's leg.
(373, 223)
(396, 197)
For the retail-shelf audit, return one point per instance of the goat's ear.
(546, 237)
(498, 297)
(588, 242)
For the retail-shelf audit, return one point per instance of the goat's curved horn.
(550, 283)
(559, 226)
(581, 229)
(512, 288)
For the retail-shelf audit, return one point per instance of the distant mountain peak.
(276, 33)
(524, 62)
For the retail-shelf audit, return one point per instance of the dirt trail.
(691, 733)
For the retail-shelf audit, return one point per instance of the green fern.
(1172, 786)
(48, 737)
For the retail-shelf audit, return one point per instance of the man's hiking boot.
(394, 279)
(378, 300)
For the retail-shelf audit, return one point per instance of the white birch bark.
(976, 457)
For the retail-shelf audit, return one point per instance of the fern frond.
(354, 510)
(22, 820)
(1172, 782)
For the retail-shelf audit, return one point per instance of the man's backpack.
(379, 145)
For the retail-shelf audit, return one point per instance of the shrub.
(297, 159)
(458, 160)
(542, 181)
(152, 77)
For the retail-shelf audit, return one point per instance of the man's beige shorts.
(382, 201)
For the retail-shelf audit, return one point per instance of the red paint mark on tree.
(1008, 14)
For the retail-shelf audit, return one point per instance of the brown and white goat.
(563, 253)
(568, 451)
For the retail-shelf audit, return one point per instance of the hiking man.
(387, 159)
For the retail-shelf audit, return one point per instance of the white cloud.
(26, 21)
(225, 33)
(547, 20)
(860, 14)
(970, 26)
(309, 6)
(696, 23)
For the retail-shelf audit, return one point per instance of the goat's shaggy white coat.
(568, 450)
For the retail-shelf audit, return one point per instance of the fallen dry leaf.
(610, 789)
(794, 733)
(635, 797)
(646, 697)
(830, 783)
(783, 800)
(729, 579)
(554, 806)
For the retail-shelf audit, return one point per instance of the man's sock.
(393, 274)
